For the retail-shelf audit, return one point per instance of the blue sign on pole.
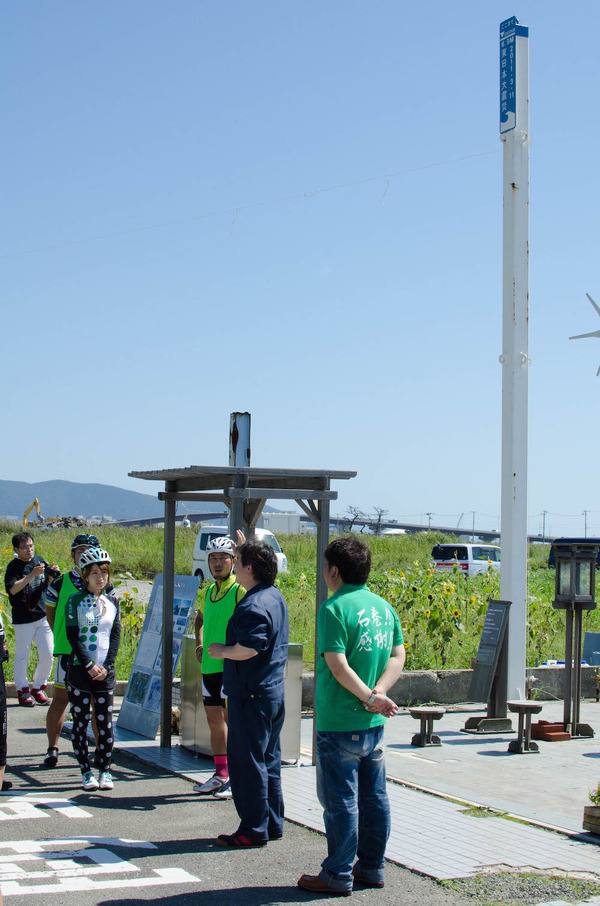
(509, 30)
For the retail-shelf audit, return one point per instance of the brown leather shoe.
(316, 885)
(364, 882)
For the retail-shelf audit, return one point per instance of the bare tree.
(379, 514)
(355, 514)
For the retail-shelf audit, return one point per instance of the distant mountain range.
(68, 498)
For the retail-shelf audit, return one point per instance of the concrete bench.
(523, 744)
(427, 715)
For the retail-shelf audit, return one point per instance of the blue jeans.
(352, 790)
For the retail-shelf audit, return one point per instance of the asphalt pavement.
(152, 840)
(148, 840)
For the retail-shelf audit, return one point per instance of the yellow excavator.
(41, 520)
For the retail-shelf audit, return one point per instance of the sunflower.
(456, 613)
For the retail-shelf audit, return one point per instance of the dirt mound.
(66, 522)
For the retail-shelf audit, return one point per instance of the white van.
(206, 533)
(471, 559)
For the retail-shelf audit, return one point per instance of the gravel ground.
(139, 587)
(523, 888)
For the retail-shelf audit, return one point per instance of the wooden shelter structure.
(244, 490)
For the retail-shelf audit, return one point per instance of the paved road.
(149, 840)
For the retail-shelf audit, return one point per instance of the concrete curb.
(444, 687)
(11, 689)
(451, 687)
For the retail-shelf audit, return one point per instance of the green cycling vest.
(61, 642)
(217, 614)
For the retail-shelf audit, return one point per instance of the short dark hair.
(352, 558)
(261, 558)
(19, 538)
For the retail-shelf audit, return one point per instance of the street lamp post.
(574, 592)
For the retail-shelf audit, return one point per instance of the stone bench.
(426, 714)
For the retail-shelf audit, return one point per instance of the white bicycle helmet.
(221, 545)
(93, 555)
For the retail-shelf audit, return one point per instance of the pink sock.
(221, 768)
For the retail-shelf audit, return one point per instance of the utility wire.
(249, 207)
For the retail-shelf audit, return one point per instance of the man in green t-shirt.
(361, 655)
(218, 603)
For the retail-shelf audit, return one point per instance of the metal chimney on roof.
(239, 439)
(239, 457)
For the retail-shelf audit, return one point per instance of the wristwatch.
(370, 700)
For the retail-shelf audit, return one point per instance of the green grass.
(442, 615)
(135, 550)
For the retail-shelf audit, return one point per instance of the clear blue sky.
(295, 209)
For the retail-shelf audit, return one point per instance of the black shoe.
(238, 841)
(51, 757)
(6, 785)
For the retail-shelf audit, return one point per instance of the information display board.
(490, 643)
(140, 710)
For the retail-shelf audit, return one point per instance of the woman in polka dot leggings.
(93, 630)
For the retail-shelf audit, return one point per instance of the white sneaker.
(106, 781)
(224, 792)
(211, 786)
(89, 782)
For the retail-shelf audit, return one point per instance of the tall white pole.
(514, 132)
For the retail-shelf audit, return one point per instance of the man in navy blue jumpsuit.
(254, 658)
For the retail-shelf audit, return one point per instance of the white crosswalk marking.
(66, 866)
(16, 808)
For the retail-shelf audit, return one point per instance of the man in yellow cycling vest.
(218, 603)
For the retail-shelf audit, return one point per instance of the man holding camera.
(26, 578)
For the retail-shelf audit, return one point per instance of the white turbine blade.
(598, 372)
(580, 336)
(593, 303)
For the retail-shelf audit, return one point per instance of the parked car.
(206, 533)
(552, 554)
(471, 559)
